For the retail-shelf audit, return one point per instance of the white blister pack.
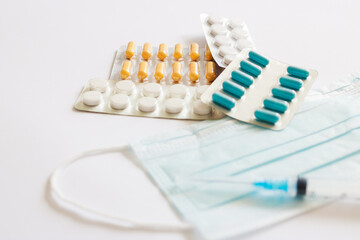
(260, 90)
(226, 37)
(153, 82)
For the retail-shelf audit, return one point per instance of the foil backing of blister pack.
(226, 37)
(255, 95)
(191, 101)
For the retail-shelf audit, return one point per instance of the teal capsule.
(233, 88)
(251, 68)
(258, 59)
(223, 100)
(267, 116)
(298, 72)
(276, 104)
(291, 82)
(283, 93)
(242, 78)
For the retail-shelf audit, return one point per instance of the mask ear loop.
(120, 221)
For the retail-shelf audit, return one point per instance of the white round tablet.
(239, 33)
(227, 50)
(178, 91)
(98, 84)
(119, 101)
(200, 90)
(217, 29)
(244, 43)
(229, 58)
(235, 23)
(222, 40)
(174, 105)
(212, 19)
(201, 108)
(147, 104)
(92, 98)
(125, 86)
(152, 90)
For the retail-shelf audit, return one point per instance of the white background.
(49, 49)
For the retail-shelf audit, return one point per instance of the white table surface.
(49, 49)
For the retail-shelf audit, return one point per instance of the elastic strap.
(120, 221)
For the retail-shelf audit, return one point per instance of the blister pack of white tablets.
(154, 82)
(260, 90)
(226, 37)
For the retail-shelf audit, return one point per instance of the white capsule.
(92, 98)
(201, 108)
(222, 40)
(235, 23)
(178, 91)
(152, 90)
(174, 105)
(200, 90)
(244, 43)
(98, 84)
(147, 104)
(227, 50)
(125, 86)
(214, 19)
(229, 58)
(217, 29)
(119, 101)
(239, 33)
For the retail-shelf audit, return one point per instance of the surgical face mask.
(321, 141)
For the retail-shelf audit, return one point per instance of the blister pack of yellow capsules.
(154, 81)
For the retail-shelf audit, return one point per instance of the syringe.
(297, 186)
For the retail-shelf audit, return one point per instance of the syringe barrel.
(332, 188)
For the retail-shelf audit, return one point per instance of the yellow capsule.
(130, 50)
(126, 69)
(146, 52)
(194, 51)
(159, 71)
(163, 50)
(208, 55)
(193, 71)
(143, 70)
(210, 71)
(178, 52)
(176, 71)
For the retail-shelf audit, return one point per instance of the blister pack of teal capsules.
(260, 90)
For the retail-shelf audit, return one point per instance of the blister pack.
(154, 82)
(226, 37)
(260, 90)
